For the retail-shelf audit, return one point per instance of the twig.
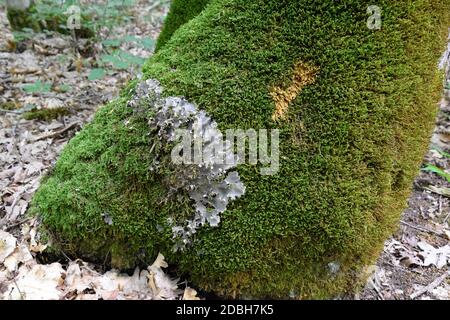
(18, 289)
(153, 6)
(431, 286)
(422, 229)
(65, 255)
(17, 197)
(153, 147)
(446, 218)
(84, 265)
(9, 227)
(404, 268)
(10, 111)
(376, 289)
(440, 205)
(106, 257)
(57, 133)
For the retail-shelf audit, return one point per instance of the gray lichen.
(333, 268)
(200, 159)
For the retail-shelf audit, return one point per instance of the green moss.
(32, 18)
(181, 11)
(57, 23)
(45, 114)
(19, 19)
(10, 105)
(350, 147)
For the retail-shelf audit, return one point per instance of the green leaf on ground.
(112, 42)
(37, 87)
(438, 171)
(132, 59)
(65, 87)
(97, 73)
(147, 43)
(442, 152)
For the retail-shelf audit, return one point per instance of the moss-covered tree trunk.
(354, 107)
(19, 14)
(181, 11)
(25, 14)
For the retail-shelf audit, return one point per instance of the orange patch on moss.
(303, 75)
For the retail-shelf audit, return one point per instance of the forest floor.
(49, 75)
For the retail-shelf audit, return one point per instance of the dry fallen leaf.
(109, 286)
(38, 283)
(29, 232)
(7, 245)
(34, 245)
(441, 293)
(159, 263)
(447, 233)
(434, 256)
(20, 255)
(190, 294)
(162, 285)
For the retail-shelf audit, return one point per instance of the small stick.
(18, 289)
(65, 255)
(431, 286)
(422, 229)
(446, 218)
(440, 205)
(9, 227)
(57, 133)
(10, 111)
(380, 295)
(153, 6)
(404, 269)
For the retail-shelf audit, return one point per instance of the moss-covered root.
(355, 108)
(45, 114)
(181, 11)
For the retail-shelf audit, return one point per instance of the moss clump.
(19, 19)
(39, 20)
(351, 143)
(10, 105)
(45, 114)
(181, 11)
